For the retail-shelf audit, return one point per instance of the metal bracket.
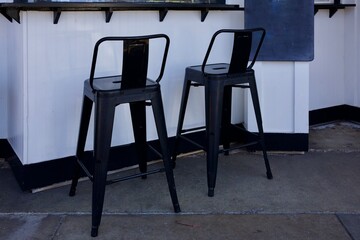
(13, 14)
(162, 14)
(57, 13)
(204, 13)
(4, 13)
(332, 11)
(108, 14)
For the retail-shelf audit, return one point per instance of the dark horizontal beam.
(116, 6)
(332, 7)
(110, 7)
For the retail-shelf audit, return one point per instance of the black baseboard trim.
(292, 142)
(6, 149)
(43, 174)
(38, 175)
(335, 113)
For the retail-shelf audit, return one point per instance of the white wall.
(17, 89)
(3, 77)
(357, 47)
(48, 64)
(334, 73)
(57, 60)
(283, 92)
(327, 68)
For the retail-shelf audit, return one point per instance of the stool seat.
(216, 71)
(113, 83)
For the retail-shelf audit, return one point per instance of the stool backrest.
(135, 63)
(246, 47)
(135, 59)
(241, 52)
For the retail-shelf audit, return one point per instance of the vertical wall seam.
(25, 46)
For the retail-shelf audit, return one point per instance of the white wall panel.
(50, 62)
(327, 77)
(357, 46)
(17, 89)
(350, 62)
(301, 97)
(4, 24)
(275, 83)
(334, 73)
(59, 58)
(357, 52)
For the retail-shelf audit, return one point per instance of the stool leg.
(226, 119)
(159, 117)
(184, 100)
(214, 91)
(138, 117)
(255, 99)
(104, 118)
(84, 126)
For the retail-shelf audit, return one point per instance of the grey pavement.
(314, 195)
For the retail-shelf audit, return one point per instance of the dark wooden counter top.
(12, 10)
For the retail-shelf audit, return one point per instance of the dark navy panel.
(289, 26)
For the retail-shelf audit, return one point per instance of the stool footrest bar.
(155, 151)
(108, 182)
(192, 129)
(88, 174)
(192, 142)
(239, 146)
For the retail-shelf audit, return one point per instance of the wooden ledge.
(12, 10)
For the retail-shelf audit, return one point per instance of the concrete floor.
(315, 195)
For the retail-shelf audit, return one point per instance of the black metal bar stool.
(218, 80)
(132, 87)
